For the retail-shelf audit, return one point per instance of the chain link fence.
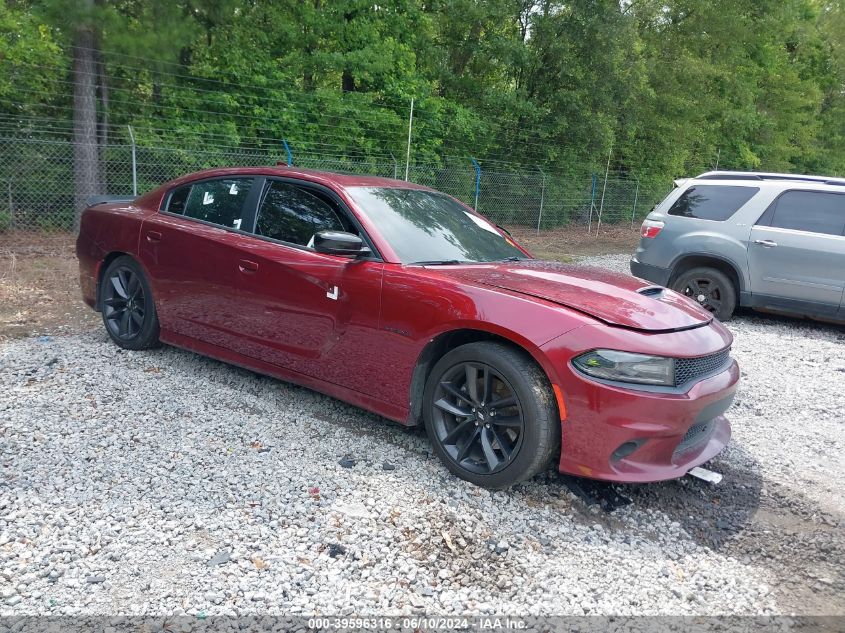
(37, 183)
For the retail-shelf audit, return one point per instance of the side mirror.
(339, 243)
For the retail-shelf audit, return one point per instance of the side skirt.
(793, 307)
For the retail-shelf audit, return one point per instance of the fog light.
(625, 449)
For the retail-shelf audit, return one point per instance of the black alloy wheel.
(124, 303)
(711, 289)
(127, 306)
(490, 414)
(478, 418)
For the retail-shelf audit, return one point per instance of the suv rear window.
(712, 202)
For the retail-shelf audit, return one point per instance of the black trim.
(651, 273)
(249, 214)
(796, 307)
(93, 201)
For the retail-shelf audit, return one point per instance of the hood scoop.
(652, 291)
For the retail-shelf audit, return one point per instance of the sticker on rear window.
(207, 197)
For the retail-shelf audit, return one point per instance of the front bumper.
(655, 274)
(618, 433)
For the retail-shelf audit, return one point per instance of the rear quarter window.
(712, 202)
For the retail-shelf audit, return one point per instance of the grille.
(689, 369)
(696, 434)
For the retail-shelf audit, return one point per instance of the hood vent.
(651, 291)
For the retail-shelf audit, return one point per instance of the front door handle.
(246, 266)
(766, 243)
(153, 236)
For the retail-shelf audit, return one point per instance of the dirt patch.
(568, 242)
(39, 287)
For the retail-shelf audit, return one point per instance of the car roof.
(327, 178)
(776, 178)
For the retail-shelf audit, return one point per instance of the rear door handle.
(247, 266)
(766, 243)
(153, 236)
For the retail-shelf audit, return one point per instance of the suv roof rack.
(755, 175)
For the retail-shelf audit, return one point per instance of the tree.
(86, 158)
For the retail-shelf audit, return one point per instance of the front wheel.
(490, 414)
(711, 288)
(126, 301)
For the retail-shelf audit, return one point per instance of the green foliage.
(667, 87)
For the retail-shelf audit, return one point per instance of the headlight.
(627, 367)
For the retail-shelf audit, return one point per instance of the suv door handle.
(766, 243)
(246, 266)
(153, 236)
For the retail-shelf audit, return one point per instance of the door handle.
(766, 243)
(246, 266)
(153, 236)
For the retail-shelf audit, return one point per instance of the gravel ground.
(162, 482)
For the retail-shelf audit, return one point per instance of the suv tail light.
(651, 228)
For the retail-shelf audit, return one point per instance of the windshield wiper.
(441, 262)
(513, 258)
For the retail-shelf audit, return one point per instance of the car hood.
(614, 298)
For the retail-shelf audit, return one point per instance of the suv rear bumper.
(651, 273)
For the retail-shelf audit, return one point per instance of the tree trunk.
(86, 166)
(103, 137)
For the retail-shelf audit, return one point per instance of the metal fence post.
(288, 152)
(134, 163)
(395, 166)
(634, 210)
(542, 198)
(408, 150)
(592, 202)
(477, 180)
(603, 190)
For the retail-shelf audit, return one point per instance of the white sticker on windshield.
(233, 190)
(237, 223)
(484, 224)
(207, 197)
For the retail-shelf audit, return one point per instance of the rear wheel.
(126, 301)
(710, 288)
(490, 414)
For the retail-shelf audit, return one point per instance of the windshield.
(430, 227)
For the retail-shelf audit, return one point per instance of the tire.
(711, 288)
(491, 444)
(127, 306)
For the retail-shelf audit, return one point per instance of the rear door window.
(712, 202)
(811, 211)
(219, 202)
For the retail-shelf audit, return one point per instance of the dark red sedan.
(401, 300)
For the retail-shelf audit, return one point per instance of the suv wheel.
(710, 288)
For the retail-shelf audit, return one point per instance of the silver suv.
(767, 241)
